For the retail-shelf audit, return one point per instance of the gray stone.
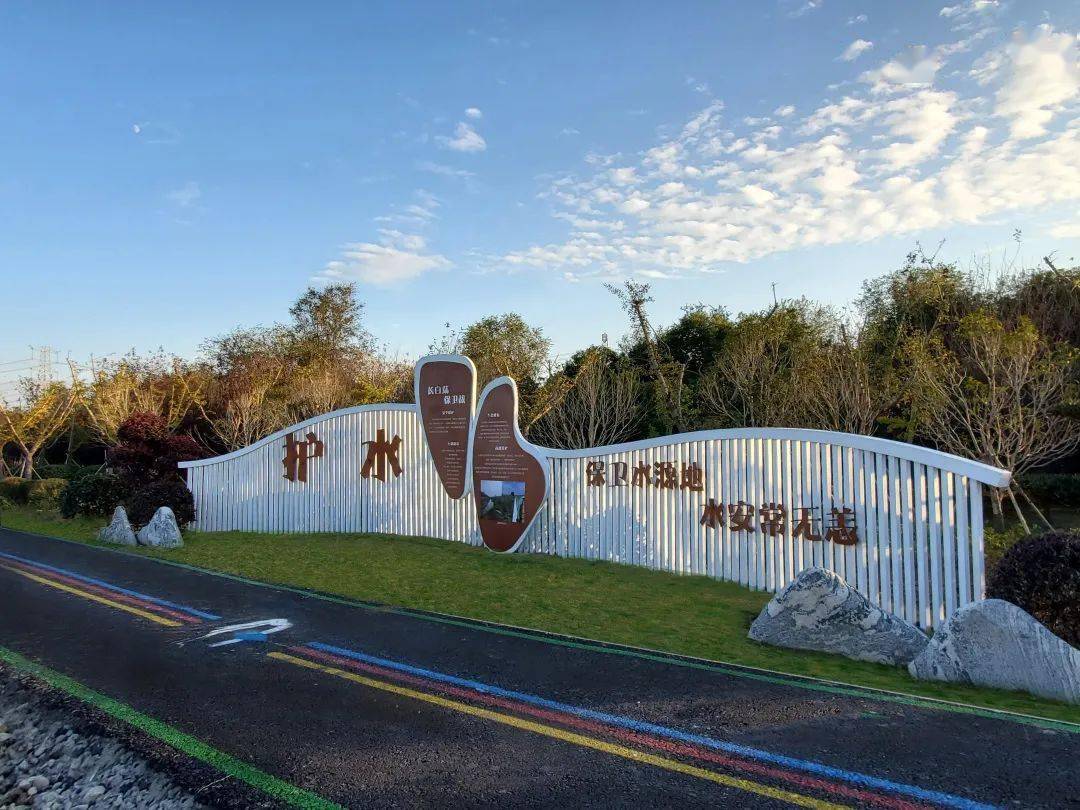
(818, 610)
(119, 530)
(162, 530)
(995, 643)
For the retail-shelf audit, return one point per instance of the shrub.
(46, 493)
(95, 495)
(16, 490)
(1053, 489)
(174, 494)
(68, 472)
(1041, 574)
(147, 452)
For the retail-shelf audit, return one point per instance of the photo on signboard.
(502, 501)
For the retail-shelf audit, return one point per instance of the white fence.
(915, 514)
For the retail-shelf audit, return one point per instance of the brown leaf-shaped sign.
(445, 396)
(509, 475)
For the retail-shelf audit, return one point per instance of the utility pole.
(42, 357)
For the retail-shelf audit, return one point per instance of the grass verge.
(688, 615)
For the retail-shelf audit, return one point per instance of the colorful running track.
(392, 707)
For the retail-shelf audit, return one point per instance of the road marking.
(810, 766)
(185, 743)
(91, 581)
(108, 593)
(567, 736)
(657, 743)
(271, 625)
(93, 597)
(788, 679)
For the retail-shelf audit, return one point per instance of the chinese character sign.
(297, 455)
(445, 396)
(380, 454)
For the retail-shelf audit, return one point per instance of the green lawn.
(681, 614)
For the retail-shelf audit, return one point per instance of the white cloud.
(909, 148)
(445, 171)
(397, 257)
(187, 195)
(1043, 77)
(1070, 229)
(570, 131)
(970, 8)
(806, 7)
(856, 49)
(916, 67)
(858, 19)
(474, 113)
(465, 139)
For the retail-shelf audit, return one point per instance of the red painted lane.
(646, 740)
(108, 593)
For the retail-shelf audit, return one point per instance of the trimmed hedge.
(141, 505)
(1041, 574)
(15, 489)
(94, 495)
(46, 493)
(1053, 489)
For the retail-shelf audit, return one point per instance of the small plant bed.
(688, 615)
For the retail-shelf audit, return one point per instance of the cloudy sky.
(172, 171)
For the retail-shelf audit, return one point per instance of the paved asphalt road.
(363, 705)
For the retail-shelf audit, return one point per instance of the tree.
(157, 383)
(508, 346)
(42, 416)
(602, 404)
(995, 395)
(327, 323)
(767, 371)
(666, 374)
(843, 390)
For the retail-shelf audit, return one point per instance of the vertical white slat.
(963, 541)
(881, 471)
(909, 515)
(934, 503)
(873, 581)
(768, 497)
(896, 537)
(858, 503)
(978, 558)
(789, 463)
(922, 548)
(948, 539)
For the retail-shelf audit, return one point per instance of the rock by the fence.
(995, 643)
(119, 530)
(819, 611)
(162, 530)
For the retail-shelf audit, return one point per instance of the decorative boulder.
(818, 610)
(995, 643)
(162, 530)
(119, 530)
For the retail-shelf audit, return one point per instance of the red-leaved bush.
(147, 451)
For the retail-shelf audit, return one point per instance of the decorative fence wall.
(901, 523)
(246, 491)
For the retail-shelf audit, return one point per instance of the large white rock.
(162, 530)
(119, 530)
(818, 610)
(995, 643)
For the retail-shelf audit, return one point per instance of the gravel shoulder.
(48, 759)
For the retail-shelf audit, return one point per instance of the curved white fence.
(915, 514)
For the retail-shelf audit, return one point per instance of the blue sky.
(173, 171)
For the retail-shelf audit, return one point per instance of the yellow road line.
(95, 598)
(568, 736)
